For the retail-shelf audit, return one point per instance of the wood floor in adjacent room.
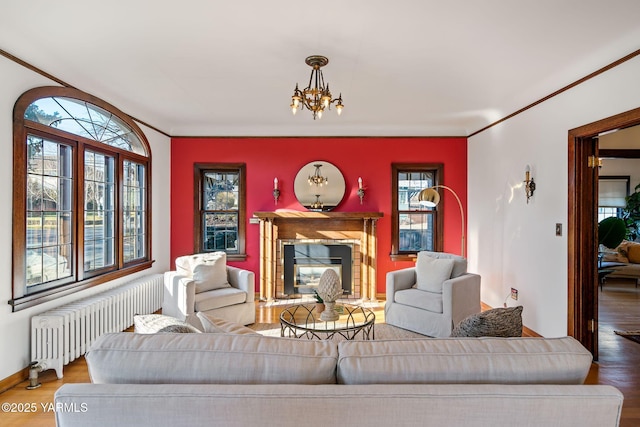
(618, 364)
(619, 358)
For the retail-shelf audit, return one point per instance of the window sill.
(404, 257)
(236, 257)
(32, 300)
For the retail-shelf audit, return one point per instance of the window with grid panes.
(81, 207)
(220, 207)
(414, 227)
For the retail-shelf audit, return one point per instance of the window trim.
(199, 169)
(438, 211)
(21, 127)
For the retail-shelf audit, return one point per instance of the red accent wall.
(267, 158)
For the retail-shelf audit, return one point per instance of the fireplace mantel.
(317, 215)
(318, 226)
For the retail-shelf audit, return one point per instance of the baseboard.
(14, 380)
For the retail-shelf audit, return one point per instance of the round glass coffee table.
(303, 321)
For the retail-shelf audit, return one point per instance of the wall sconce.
(276, 192)
(360, 189)
(529, 184)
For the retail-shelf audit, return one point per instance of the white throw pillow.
(154, 323)
(210, 275)
(185, 264)
(212, 324)
(432, 272)
(208, 270)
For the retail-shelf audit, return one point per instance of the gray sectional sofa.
(245, 380)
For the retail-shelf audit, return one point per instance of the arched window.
(81, 194)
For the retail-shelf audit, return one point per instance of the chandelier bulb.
(339, 105)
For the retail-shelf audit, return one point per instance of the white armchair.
(432, 297)
(203, 282)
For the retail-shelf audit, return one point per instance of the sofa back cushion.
(128, 358)
(464, 361)
(144, 405)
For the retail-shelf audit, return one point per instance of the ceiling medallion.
(316, 96)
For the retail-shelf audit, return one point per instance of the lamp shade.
(429, 197)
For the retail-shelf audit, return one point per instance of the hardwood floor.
(619, 357)
(618, 364)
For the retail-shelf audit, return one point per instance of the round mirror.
(319, 186)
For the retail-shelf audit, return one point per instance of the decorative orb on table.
(329, 289)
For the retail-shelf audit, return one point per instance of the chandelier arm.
(310, 80)
(305, 102)
(322, 86)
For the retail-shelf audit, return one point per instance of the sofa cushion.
(126, 358)
(432, 272)
(430, 301)
(440, 405)
(154, 323)
(464, 361)
(213, 324)
(497, 322)
(210, 300)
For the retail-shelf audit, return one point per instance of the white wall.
(15, 327)
(512, 243)
(623, 167)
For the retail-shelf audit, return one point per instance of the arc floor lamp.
(430, 197)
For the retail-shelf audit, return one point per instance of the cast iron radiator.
(61, 335)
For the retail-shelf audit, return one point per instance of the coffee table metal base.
(303, 321)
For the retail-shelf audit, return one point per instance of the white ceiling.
(404, 67)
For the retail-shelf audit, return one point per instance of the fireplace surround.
(354, 229)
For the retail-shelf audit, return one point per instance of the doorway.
(582, 226)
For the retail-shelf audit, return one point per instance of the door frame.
(582, 322)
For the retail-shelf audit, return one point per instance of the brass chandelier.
(316, 96)
(317, 177)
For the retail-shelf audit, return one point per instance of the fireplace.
(356, 231)
(304, 263)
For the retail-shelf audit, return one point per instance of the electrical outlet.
(514, 294)
(558, 229)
